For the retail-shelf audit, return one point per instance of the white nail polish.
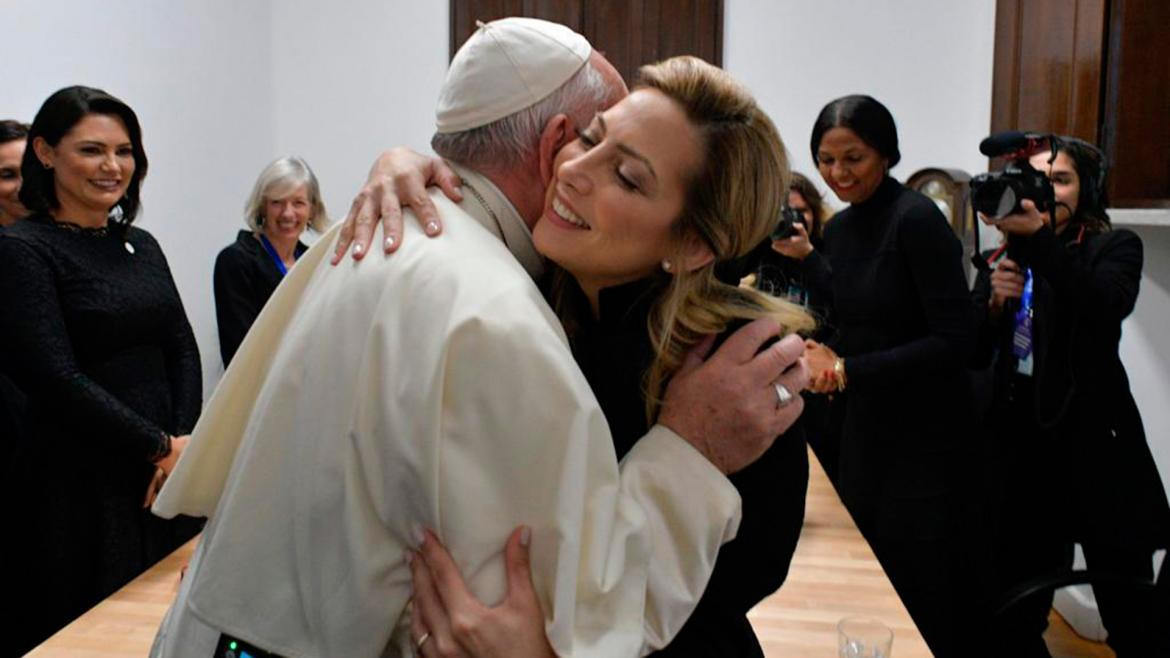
(357, 249)
(432, 227)
(390, 242)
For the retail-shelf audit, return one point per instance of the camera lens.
(995, 198)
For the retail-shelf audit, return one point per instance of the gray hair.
(507, 142)
(279, 179)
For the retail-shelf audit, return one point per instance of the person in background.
(783, 276)
(892, 273)
(285, 200)
(12, 399)
(1063, 422)
(13, 136)
(103, 350)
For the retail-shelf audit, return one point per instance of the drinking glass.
(862, 637)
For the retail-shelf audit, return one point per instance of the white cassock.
(431, 388)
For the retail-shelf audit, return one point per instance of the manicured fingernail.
(408, 557)
(357, 249)
(432, 228)
(389, 244)
(525, 536)
(416, 535)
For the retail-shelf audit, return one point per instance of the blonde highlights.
(733, 201)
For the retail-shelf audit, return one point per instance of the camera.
(786, 227)
(998, 194)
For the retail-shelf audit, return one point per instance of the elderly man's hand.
(729, 406)
(398, 178)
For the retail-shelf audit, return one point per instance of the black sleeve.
(39, 354)
(1102, 287)
(236, 306)
(818, 276)
(987, 327)
(184, 368)
(934, 257)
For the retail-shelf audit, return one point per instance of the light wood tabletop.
(834, 574)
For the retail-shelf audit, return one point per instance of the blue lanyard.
(1022, 339)
(275, 256)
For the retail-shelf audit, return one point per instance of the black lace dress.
(95, 335)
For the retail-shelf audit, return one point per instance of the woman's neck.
(286, 248)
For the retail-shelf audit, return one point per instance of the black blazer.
(245, 277)
(1083, 287)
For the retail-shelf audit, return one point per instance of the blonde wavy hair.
(732, 203)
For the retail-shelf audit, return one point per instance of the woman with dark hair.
(13, 136)
(96, 336)
(893, 278)
(285, 200)
(1051, 306)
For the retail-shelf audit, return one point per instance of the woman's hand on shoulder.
(448, 621)
(399, 177)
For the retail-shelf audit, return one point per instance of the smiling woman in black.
(96, 336)
(285, 200)
(905, 330)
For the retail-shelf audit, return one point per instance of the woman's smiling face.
(852, 168)
(618, 190)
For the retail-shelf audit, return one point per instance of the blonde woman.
(648, 218)
(285, 200)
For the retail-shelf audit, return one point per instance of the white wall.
(351, 79)
(929, 61)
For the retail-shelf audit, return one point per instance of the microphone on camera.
(1012, 141)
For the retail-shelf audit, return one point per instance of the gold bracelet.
(839, 371)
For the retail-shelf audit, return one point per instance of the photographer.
(1052, 300)
(783, 276)
(804, 216)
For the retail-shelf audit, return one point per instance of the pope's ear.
(558, 132)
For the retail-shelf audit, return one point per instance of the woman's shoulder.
(243, 249)
(1113, 243)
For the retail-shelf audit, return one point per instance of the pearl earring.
(666, 265)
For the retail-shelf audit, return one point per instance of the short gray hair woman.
(281, 177)
(285, 200)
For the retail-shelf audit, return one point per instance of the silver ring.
(783, 395)
(422, 640)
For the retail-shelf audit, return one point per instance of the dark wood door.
(1094, 69)
(1135, 130)
(629, 33)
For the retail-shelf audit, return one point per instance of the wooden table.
(834, 574)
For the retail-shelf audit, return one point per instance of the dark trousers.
(919, 510)
(1034, 528)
